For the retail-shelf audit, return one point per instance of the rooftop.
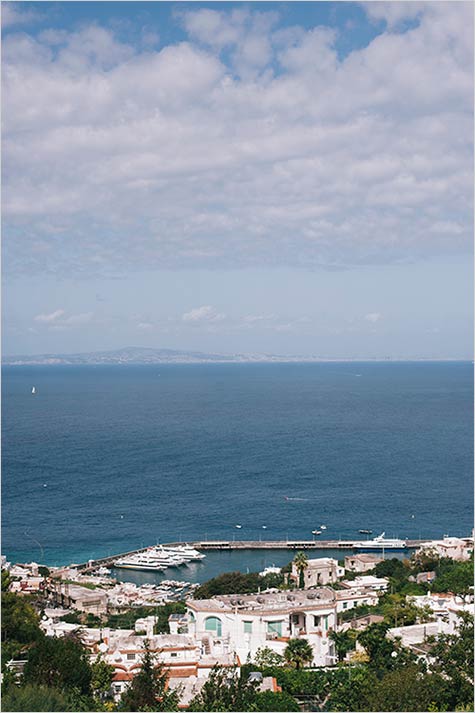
(266, 602)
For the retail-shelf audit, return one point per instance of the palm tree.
(344, 641)
(298, 652)
(301, 564)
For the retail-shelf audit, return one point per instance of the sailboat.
(33, 390)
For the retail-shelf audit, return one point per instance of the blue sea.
(105, 459)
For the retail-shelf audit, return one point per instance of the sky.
(263, 177)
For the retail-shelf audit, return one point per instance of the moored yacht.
(381, 543)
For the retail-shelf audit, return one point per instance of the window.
(213, 624)
(191, 616)
(325, 622)
(173, 654)
(316, 620)
(274, 627)
(247, 627)
(345, 605)
(130, 657)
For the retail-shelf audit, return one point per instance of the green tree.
(298, 653)
(453, 659)
(405, 689)
(301, 564)
(426, 559)
(230, 583)
(453, 576)
(20, 622)
(384, 654)
(225, 690)
(270, 701)
(348, 688)
(344, 641)
(102, 675)
(398, 611)
(266, 658)
(148, 689)
(6, 580)
(35, 698)
(59, 663)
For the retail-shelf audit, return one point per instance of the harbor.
(243, 545)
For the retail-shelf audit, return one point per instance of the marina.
(150, 560)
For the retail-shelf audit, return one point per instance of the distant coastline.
(145, 355)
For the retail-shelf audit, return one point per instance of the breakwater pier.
(230, 545)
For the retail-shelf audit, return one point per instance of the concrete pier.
(227, 545)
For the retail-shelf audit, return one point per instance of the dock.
(228, 545)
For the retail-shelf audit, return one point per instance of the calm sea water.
(106, 459)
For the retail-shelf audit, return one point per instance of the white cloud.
(117, 158)
(206, 313)
(59, 321)
(144, 326)
(77, 319)
(13, 14)
(395, 12)
(373, 317)
(51, 317)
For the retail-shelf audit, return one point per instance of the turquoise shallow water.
(135, 455)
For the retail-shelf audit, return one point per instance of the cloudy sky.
(292, 178)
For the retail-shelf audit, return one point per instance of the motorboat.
(381, 543)
(140, 562)
(366, 532)
(316, 532)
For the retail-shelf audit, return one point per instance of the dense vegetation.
(387, 678)
(238, 583)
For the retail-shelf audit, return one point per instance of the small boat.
(316, 532)
(33, 390)
(238, 527)
(366, 532)
(323, 527)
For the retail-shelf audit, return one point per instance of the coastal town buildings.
(245, 623)
(74, 596)
(457, 548)
(366, 582)
(362, 562)
(319, 572)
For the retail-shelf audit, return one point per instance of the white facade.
(242, 624)
(319, 572)
(355, 597)
(367, 581)
(454, 547)
(362, 562)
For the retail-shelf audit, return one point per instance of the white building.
(367, 581)
(244, 623)
(362, 562)
(355, 597)
(445, 607)
(319, 572)
(456, 548)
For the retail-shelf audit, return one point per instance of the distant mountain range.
(145, 355)
(148, 355)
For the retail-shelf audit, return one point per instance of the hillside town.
(320, 606)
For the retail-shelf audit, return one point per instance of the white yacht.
(140, 560)
(381, 543)
(184, 552)
(152, 559)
